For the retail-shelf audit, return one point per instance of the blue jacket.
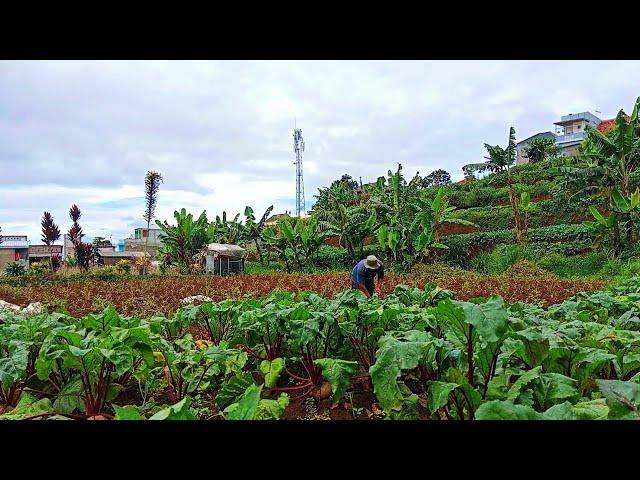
(358, 274)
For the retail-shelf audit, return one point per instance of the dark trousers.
(368, 284)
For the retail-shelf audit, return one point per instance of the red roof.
(606, 125)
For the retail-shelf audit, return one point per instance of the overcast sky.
(221, 132)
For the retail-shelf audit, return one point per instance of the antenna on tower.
(298, 148)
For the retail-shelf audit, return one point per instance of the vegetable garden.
(415, 354)
(435, 343)
(148, 295)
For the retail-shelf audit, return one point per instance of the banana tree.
(253, 229)
(351, 224)
(431, 215)
(618, 153)
(224, 230)
(604, 226)
(275, 242)
(392, 198)
(500, 160)
(185, 239)
(310, 238)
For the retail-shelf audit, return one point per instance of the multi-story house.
(569, 133)
(136, 242)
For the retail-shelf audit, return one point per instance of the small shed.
(224, 259)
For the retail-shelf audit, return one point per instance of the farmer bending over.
(363, 274)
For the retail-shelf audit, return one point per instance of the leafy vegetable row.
(425, 354)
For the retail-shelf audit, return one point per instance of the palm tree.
(151, 186)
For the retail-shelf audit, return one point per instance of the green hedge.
(478, 195)
(544, 213)
(574, 239)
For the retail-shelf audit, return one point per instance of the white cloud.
(220, 132)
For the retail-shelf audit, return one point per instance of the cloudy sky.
(221, 132)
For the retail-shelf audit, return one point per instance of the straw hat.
(371, 262)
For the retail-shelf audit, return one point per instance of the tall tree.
(151, 186)
(437, 178)
(50, 234)
(84, 252)
(603, 166)
(619, 152)
(500, 160)
(540, 149)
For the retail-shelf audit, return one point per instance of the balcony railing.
(570, 137)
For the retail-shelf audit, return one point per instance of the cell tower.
(298, 148)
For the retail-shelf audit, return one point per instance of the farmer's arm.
(363, 289)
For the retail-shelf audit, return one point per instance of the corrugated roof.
(226, 249)
(14, 244)
(122, 254)
(541, 134)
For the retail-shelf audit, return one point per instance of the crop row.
(146, 296)
(422, 353)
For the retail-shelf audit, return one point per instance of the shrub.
(575, 265)
(71, 261)
(332, 257)
(611, 269)
(501, 258)
(631, 269)
(38, 268)
(439, 270)
(15, 269)
(106, 273)
(123, 266)
(528, 269)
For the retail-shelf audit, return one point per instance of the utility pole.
(298, 148)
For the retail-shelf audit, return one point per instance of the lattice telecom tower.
(298, 147)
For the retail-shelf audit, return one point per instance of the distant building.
(136, 242)
(568, 135)
(14, 248)
(105, 246)
(41, 253)
(113, 257)
(67, 247)
(521, 157)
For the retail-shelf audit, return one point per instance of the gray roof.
(538, 135)
(122, 254)
(14, 243)
(226, 249)
(572, 117)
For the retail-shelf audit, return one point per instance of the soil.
(456, 229)
(307, 408)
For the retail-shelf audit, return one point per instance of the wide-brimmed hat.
(371, 262)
